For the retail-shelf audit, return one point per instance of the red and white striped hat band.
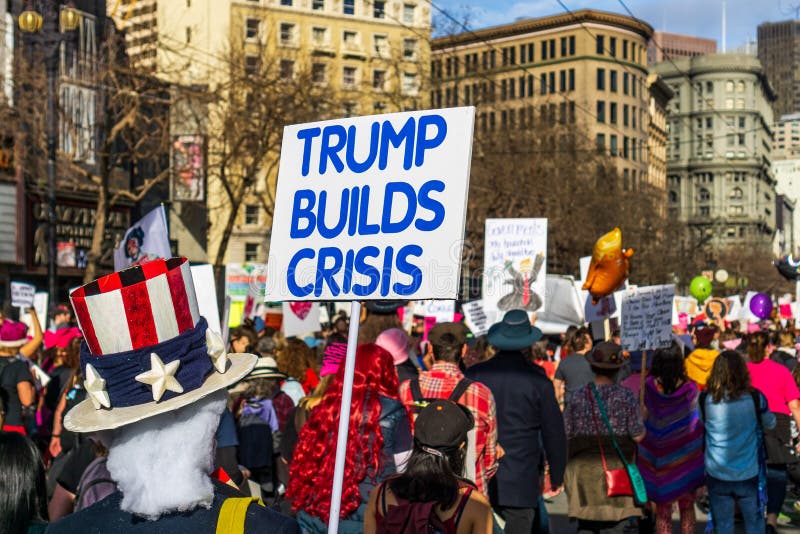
(138, 307)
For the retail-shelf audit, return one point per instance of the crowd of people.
(448, 432)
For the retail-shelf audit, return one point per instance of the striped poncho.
(671, 454)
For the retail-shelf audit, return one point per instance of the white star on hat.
(96, 388)
(161, 377)
(216, 350)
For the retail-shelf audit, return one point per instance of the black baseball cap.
(457, 330)
(443, 424)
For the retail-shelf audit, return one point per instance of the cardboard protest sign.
(206, 290)
(647, 317)
(476, 318)
(300, 318)
(22, 294)
(716, 308)
(360, 207)
(146, 240)
(514, 261)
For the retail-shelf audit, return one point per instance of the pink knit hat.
(395, 342)
(13, 334)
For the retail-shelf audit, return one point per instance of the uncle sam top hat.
(146, 348)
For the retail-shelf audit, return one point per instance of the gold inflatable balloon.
(609, 267)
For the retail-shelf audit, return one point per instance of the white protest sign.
(475, 318)
(584, 264)
(514, 261)
(40, 303)
(647, 317)
(442, 310)
(22, 294)
(300, 318)
(205, 287)
(360, 207)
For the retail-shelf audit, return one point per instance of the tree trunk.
(96, 251)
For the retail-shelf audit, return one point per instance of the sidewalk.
(559, 523)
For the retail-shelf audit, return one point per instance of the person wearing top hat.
(590, 443)
(528, 419)
(155, 377)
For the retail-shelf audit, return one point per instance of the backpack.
(255, 441)
(95, 484)
(420, 401)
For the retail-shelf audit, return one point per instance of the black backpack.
(420, 401)
(255, 441)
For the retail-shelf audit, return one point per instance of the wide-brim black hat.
(385, 307)
(514, 332)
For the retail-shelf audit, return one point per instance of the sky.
(702, 18)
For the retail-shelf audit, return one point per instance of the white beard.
(162, 464)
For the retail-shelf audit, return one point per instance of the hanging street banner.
(371, 207)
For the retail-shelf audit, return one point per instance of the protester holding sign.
(16, 381)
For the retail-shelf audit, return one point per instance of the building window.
(286, 2)
(349, 7)
(736, 194)
(563, 47)
(571, 45)
(378, 79)
(317, 5)
(409, 49)
(188, 35)
(544, 50)
(601, 111)
(624, 49)
(252, 64)
(318, 73)
(673, 197)
(319, 35)
(287, 33)
(729, 86)
(543, 83)
(625, 78)
(349, 77)
(287, 69)
(378, 9)
(552, 48)
(251, 214)
(409, 13)
(612, 80)
(612, 112)
(410, 86)
(571, 79)
(350, 39)
(703, 195)
(601, 79)
(379, 45)
(613, 146)
(252, 29)
(740, 87)
(251, 252)
(601, 142)
(612, 46)
(562, 81)
(600, 41)
(625, 110)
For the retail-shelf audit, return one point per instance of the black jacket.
(528, 418)
(106, 516)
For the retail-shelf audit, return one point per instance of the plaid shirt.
(438, 383)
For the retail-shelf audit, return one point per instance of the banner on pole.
(146, 240)
(361, 203)
(515, 265)
(647, 317)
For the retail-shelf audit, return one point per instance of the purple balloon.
(761, 305)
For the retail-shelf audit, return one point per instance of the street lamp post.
(47, 30)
